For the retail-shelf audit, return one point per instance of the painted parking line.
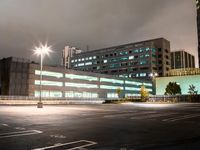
(181, 117)
(19, 133)
(152, 116)
(129, 114)
(69, 146)
(107, 113)
(4, 124)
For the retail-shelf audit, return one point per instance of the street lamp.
(41, 51)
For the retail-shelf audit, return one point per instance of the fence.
(152, 98)
(171, 98)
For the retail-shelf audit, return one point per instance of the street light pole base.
(39, 105)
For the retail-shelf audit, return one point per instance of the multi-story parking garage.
(21, 77)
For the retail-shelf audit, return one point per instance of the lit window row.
(150, 90)
(48, 94)
(109, 87)
(147, 84)
(130, 94)
(81, 77)
(133, 83)
(111, 80)
(132, 89)
(83, 59)
(73, 94)
(48, 83)
(80, 85)
(49, 73)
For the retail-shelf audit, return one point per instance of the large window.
(73, 94)
(111, 80)
(48, 83)
(111, 87)
(48, 94)
(147, 84)
(88, 63)
(81, 77)
(80, 85)
(49, 73)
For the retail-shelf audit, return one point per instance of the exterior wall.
(102, 93)
(183, 81)
(182, 59)
(130, 60)
(14, 76)
(198, 27)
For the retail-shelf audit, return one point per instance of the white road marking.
(107, 113)
(19, 133)
(152, 116)
(181, 117)
(129, 114)
(4, 124)
(19, 128)
(58, 136)
(90, 143)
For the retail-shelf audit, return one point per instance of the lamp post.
(41, 51)
(153, 75)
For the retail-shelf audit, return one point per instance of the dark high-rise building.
(198, 27)
(181, 59)
(139, 59)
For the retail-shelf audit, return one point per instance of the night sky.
(97, 23)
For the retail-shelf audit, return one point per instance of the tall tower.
(198, 27)
(67, 53)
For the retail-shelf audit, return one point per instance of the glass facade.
(78, 85)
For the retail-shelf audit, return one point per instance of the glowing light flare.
(42, 50)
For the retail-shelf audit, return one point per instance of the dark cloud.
(98, 23)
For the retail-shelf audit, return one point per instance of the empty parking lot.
(126, 126)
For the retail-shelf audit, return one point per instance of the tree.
(118, 91)
(172, 89)
(192, 90)
(144, 93)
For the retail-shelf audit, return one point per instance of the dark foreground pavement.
(120, 127)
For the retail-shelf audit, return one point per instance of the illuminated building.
(22, 77)
(134, 60)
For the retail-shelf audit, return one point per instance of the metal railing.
(47, 98)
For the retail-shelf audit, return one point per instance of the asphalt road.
(102, 127)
